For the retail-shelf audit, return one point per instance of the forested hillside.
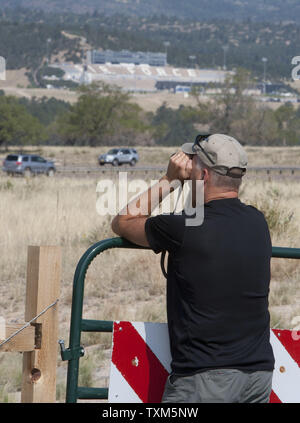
(258, 10)
(27, 39)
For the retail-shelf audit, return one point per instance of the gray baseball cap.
(220, 152)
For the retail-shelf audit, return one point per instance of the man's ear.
(205, 175)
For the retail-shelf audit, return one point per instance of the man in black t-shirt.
(218, 278)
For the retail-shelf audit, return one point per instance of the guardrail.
(279, 170)
(86, 170)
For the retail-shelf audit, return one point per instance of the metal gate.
(78, 324)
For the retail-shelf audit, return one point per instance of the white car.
(119, 156)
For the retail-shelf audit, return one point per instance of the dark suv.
(118, 156)
(27, 164)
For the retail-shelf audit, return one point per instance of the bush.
(277, 214)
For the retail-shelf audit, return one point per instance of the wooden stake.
(24, 341)
(43, 286)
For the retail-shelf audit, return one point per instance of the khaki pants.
(219, 385)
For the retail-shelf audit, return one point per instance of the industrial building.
(140, 78)
(126, 56)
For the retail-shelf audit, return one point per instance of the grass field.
(120, 285)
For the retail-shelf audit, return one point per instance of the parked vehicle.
(119, 156)
(27, 165)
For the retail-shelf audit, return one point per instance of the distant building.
(184, 85)
(270, 88)
(182, 89)
(125, 56)
(143, 77)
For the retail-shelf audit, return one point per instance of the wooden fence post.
(43, 288)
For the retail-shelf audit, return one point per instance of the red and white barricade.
(141, 363)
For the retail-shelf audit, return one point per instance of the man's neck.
(219, 195)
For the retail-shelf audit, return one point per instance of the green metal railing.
(78, 324)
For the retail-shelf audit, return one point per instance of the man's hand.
(132, 227)
(180, 167)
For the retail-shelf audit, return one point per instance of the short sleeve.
(165, 232)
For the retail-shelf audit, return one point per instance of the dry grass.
(15, 78)
(120, 284)
(280, 203)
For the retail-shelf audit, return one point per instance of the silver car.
(119, 156)
(27, 164)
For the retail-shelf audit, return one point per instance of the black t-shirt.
(217, 287)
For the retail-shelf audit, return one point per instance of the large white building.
(126, 56)
(141, 77)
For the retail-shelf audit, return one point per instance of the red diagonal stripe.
(274, 398)
(137, 363)
(291, 342)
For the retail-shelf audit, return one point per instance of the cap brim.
(187, 148)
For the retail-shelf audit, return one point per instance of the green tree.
(45, 109)
(234, 112)
(173, 127)
(17, 126)
(101, 112)
(288, 121)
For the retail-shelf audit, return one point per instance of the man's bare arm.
(130, 224)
